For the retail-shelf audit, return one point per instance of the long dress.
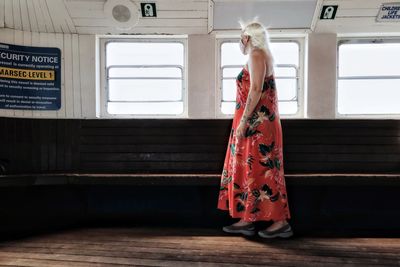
(252, 182)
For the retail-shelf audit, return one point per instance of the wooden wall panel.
(19, 40)
(87, 70)
(33, 21)
(87, 17)
(192, 146)
(68, 78)
(59, 14)
(2, 11)
(17, 15)
(26, 26)
(59, 42)
(8, 14)
(27, 40)
(76, 78)
(40, 17)
(7, 36)
(50, 26)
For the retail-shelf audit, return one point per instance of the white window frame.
(360, 40)
(102, 89)
(300, 40)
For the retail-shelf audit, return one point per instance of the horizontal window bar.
(290, 100)
(144, 78)
(147, 101)
(368, 77)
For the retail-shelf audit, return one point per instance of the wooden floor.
(156, 246)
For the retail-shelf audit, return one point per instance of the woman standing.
(252, 182)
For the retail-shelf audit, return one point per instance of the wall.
(78, 99)
(322, 58)
(202, 76)
(79, 74)
(70, 25)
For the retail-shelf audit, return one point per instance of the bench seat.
(317, 179)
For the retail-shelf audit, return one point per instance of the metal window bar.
(143, 78)
(277, 77)
(388, 77)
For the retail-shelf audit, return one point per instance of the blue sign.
(30, 77)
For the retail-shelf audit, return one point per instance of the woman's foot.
(276, 225)
(242, 223)
(242, 227)
(277, 229)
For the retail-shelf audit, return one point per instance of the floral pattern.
(252, 182)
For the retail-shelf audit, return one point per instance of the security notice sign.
(30, 77)
(389, 12)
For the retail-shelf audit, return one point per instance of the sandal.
(285, 232)
(248, 229)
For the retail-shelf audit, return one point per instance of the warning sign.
(389, 12)
(30, 77)
(47, 75)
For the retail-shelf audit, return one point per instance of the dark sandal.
(247, 230)
(285, 232)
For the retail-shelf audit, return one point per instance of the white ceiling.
(294, 14)
(193, 16)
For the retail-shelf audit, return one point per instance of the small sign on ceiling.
(328, 12)
(148, 10)
(389, 12)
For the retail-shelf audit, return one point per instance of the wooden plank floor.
(157, 246)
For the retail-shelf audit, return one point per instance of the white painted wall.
(201, 76)
(70, 25)
(322, 57)
(79, 99)
(78, 91)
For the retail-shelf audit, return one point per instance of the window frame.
(300, 40)
(103, 90)
(361, 40)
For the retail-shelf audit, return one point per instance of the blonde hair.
(259, 36)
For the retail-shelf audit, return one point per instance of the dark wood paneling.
(192, 146)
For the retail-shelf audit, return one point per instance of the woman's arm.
(257, 70)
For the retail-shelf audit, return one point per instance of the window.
(145, 77)
(368, 77)
(287, 73)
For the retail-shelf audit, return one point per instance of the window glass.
(145, 77)
(286, 57)
(369, 78)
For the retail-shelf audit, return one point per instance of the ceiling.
(192, 16)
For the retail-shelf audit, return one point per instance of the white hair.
(259, 36)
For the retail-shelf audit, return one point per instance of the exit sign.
(148, 10)
(328, 12)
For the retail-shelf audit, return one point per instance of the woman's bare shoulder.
(258, 54)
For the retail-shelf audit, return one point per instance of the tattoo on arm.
(246, 109)
(251, 103)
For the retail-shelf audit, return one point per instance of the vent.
(123, 14)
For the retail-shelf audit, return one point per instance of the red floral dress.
(252, 181)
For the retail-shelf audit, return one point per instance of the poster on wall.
(30, 77)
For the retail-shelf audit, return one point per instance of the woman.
(252, 182)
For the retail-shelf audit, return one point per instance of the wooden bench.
(335, 169)
(312, 148)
